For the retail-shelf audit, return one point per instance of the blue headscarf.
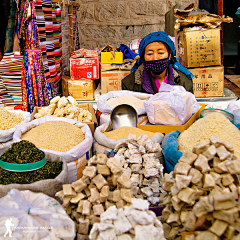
(160, 37)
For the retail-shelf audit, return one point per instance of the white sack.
(234, 108)
(111, 143)
(6, 135)
(105, 108)
(71, 155)
(173, 105)
(34, 216)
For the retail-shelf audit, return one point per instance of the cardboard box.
(84, 68)
(198, 48)
(208, 82)
(112, 80)
(107, 57)
(79, 89)
(86, 106)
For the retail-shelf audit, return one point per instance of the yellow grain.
(9, 120)
(55, 135)
(214, 124)
(123, 132)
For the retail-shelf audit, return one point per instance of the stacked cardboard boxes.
(199, 50)
(84, 69)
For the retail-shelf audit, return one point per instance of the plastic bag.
(111, 143)
(234, 108)
(28, 215)
(6, 135)
(173, 105)
(170, 150)
(71, 155)
(47, 186)
(105, 108)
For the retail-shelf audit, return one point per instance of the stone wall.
(113, 22)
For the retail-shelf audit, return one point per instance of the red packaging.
(84, 68)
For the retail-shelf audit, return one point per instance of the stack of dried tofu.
(135, 171)
(203, 193)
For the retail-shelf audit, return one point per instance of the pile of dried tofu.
(65, 107)
(133, 222)
(135, 171)
(203, 193)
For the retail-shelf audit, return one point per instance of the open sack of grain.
(105, 136)
(9, 121)
(108, 101)
(55, 136)
(32, 215)
(33, 180)
(173, 105)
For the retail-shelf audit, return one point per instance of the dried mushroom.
(204, 193)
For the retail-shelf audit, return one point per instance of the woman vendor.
(157, 64)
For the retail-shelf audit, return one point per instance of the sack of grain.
(29, 215)
(104, 140)
(10, 122)
(234, 108)
(173, 105)
(76, 167)
(48, 186)
(100, 149)
(108, 101)
(60, 141)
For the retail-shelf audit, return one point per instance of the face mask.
(157, 66)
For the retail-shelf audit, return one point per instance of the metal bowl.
(124, 115)
(207, 111)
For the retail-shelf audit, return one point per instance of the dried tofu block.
(191, 222)
(99, 181)
(188, 157)
(126, 195)
(92, 161)
(203, 206)
(59, 195)
(227, 179)
(229, 233)
(177, 203)
(147, 191)
(202, 164)
(168, 181)
(186, 195)
(66, 201)
(95, 196)
(222, 153)
(206, 235)
(120, 204)
(114, 165)
(78, 197)
(196, 175)
(174, 189)
(109, 204)
(90, 171)
(82, 236)
(182, 168)
(200, 148)
(222, 167)
(233, 166)
(182, 181)
(80, 206)
(210, 152)
(68, 191)
(86, 207)
(103, 198)
(184, 216)
(224, 201)
(116, 195)
(87, 191)
(102, 159)
(105, 191)
(79, 185)
(208, 181)
(98, 209)
(125, 181)
(103, 169)
(217, 177)
(218, 227)
(83, 226)
(174, 218)
(230, 214)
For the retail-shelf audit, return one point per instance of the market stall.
(81, 158)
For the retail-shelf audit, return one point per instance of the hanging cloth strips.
(36, 91)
